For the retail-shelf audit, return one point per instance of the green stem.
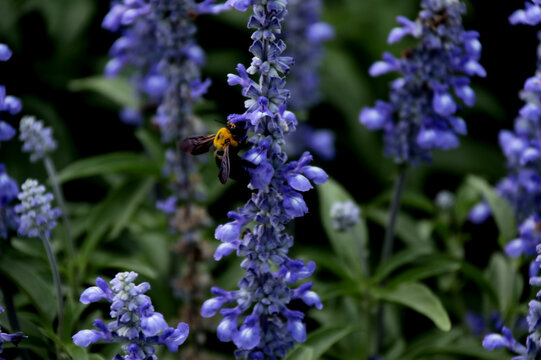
(388, 244)
(60, 199)
(56, 279)
(388, 241)
(362, 252)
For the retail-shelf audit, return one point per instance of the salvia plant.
(117, 242)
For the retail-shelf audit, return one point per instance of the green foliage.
(421, 299)
(503, 214)
(347, 245)
(320, 341)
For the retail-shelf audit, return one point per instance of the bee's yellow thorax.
(223, 136)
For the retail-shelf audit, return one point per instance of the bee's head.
(237, 128)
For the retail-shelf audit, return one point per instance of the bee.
(227, 143)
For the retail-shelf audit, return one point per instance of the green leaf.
(120, 162)
(95, 357)
(130, 207)
(398, 260)
(410, 199)
(152, 144)
(72, 314)
(503, 214)
(118, 90)
(107, 261)
(487, 287)
(24, 274)
(406, 228)
(419, 298)
(347, 245)
(108, 213)
(29, 248)
(324, 260)
(301, 353)
(456, 343)
(155, 247)
(507, 282)
(320, 341)
(77, 352)
(432, 268)
(472, 156)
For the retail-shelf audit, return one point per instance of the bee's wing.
(197, 145)
(223, 174)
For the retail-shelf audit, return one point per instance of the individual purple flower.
(135, 324)
(37, 216)
(421, 115)
(5, 52)
(260, 321)
(530, 15)
(9, 190)
(14, 338)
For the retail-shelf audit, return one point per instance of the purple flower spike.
(157, 50)
(521, 188)
(420, 117)
(269, 329)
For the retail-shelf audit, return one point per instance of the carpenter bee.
(227, 143)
